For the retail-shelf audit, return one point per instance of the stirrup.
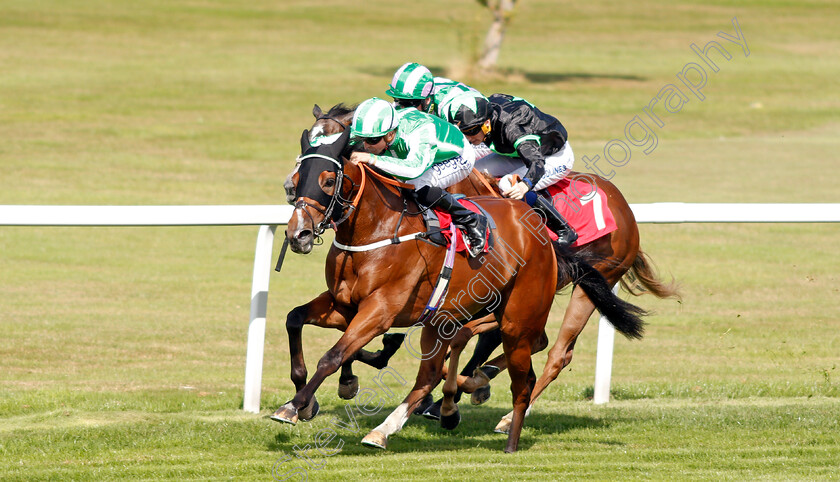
(476, 251)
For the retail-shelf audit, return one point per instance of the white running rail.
(268, 217)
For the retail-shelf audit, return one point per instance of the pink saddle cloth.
(587, 212)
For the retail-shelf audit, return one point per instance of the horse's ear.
(316, 111)
(304, 141)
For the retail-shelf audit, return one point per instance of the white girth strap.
(378, 244)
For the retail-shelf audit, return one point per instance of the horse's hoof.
(424, 404)
(475, 382)
(286, 414)
(375, 439)
(480, 395)
(489, 371)
(504, 424)
(348, 387)
(433, 411)
(450, 422)
(392, 341)
(308, 412)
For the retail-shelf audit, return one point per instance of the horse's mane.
(341, 109)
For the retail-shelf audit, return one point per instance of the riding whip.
(282, 254)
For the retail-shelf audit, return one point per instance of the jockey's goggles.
(372, 140)
(471, 131)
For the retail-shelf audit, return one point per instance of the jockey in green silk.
(423, 150)
(414, 86)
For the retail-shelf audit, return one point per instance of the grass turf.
(122, 352)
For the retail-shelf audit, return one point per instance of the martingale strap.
(442, 284)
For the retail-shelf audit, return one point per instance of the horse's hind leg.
(428, 376)
(517, 346)
(577, 314)
(348, 383)
(449, 416)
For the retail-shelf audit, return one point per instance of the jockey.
(414, 86)
(525, 142)
(424, 150)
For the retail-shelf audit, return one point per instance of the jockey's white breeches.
(447, 173)
(557, 166)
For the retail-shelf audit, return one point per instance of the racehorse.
(618, 257)
(616, 254)
(375, 283)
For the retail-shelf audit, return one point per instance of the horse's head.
(317, 187)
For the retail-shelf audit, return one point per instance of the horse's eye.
(329, 183)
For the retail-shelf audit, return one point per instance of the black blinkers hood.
(314, 161)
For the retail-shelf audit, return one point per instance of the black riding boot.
(555, 221)
(475, 225)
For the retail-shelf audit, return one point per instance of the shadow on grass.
(615, 394)
(515, 74)
(474, 431)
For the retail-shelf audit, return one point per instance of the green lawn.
(123, 349)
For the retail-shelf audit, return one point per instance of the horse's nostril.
(303, 234)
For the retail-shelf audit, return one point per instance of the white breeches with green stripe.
(557, 166)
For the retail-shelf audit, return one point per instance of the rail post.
(256, 327)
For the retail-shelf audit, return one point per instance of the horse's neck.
(377, 216)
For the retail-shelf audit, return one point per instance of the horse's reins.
(365, 170)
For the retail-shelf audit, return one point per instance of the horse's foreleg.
(487, 342)
(391, 342)
(428, 376)
(369, 322)
(321, 311)
(479, 384)
(467, 381)
(348, 383)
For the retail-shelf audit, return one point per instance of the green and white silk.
(444, 92)
(422, 141)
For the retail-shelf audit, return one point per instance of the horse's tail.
(624, 316)
(643, 278)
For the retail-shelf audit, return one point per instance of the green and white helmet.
(411, 81)
(373, 118)
(467, 110)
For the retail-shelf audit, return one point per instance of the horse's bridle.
(332, 118)
(347, 205)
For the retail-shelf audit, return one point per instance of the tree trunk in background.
(502, 11)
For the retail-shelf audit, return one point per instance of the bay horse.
(383, 283)
(618, 257)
